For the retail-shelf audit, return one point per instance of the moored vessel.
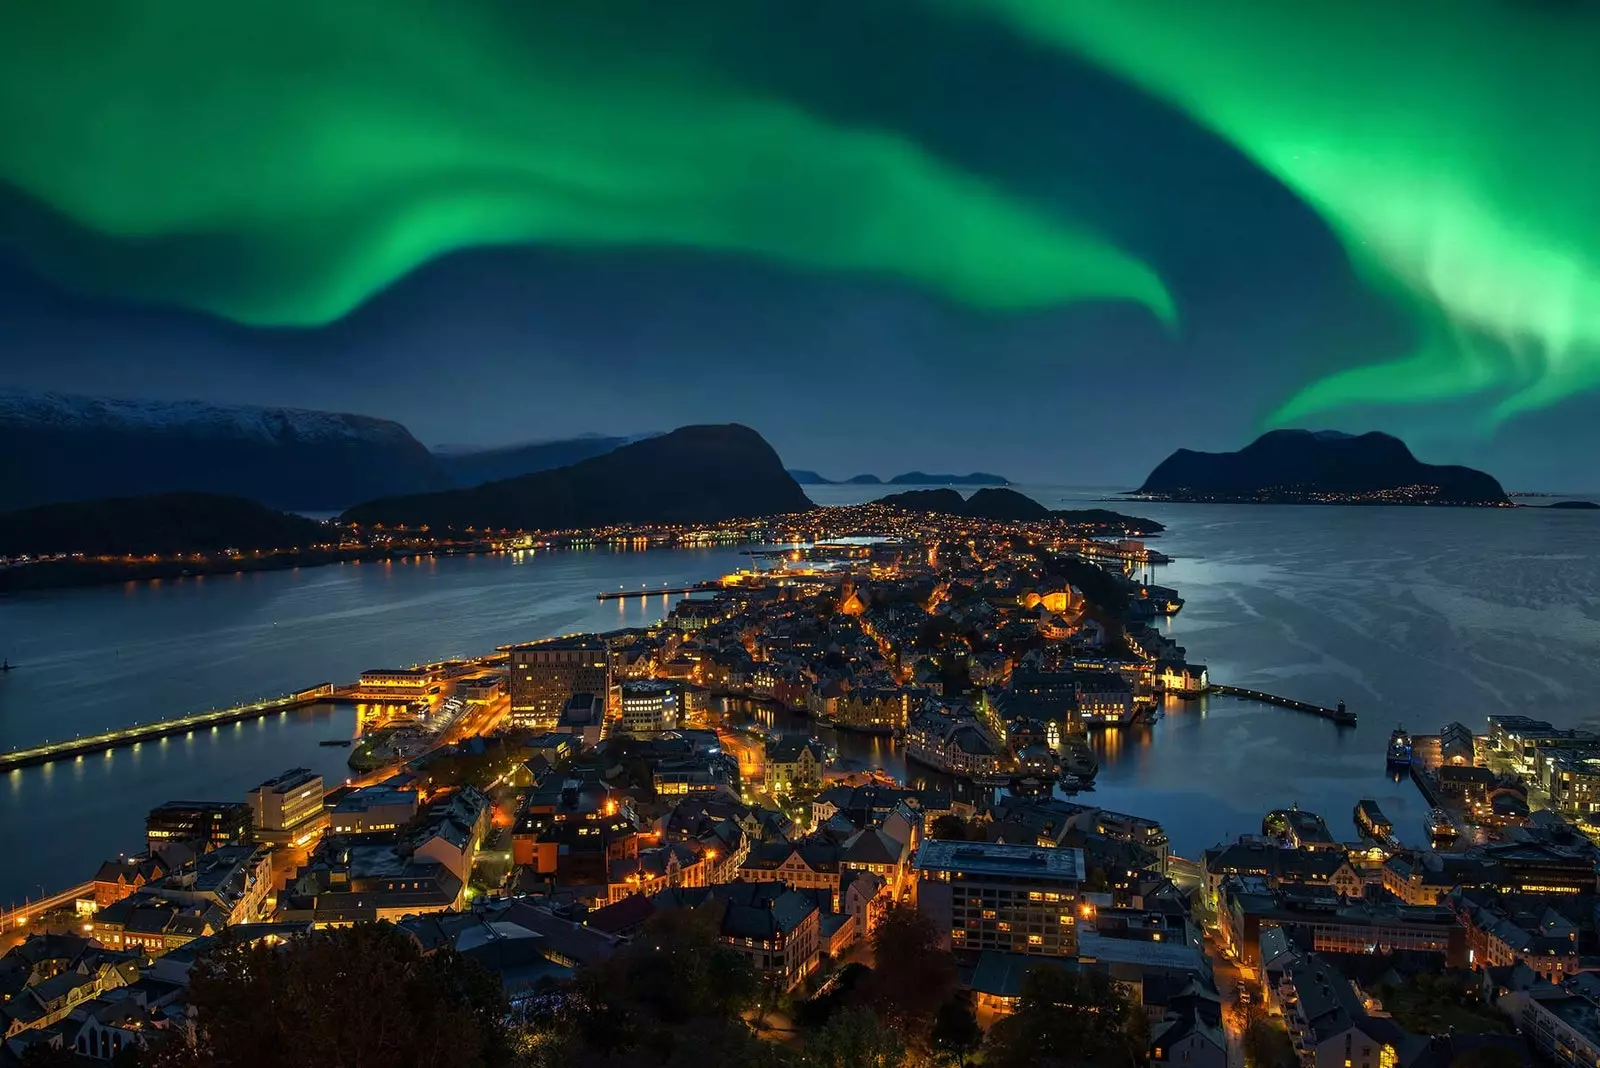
(1399, 748)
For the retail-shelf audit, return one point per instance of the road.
(1228, 975)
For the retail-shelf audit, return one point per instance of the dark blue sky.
(843, 373)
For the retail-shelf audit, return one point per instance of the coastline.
(67, 574)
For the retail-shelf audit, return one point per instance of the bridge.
(22, 915)
(1339, 714)
(50, 752)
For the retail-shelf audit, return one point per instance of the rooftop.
(1015, 861)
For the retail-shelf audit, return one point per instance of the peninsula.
(1318, 467)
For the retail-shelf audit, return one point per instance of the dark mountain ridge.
(61, 447)
(1302, 466)
(473, 467)
(695, 474)
(160, 524)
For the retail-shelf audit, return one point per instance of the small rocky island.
(1319, 467)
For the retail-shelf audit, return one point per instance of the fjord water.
(92, 659)
(1413, 615)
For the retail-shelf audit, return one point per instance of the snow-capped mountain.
(67, 411)
(60, 447)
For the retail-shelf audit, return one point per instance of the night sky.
(1051, 238)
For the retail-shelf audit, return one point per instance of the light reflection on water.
(1413, 615)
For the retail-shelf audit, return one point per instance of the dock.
(656, 591)
(69, 748)
(1338, 714)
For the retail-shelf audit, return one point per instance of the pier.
(1339, 714)
(145, 732)
(656, 591)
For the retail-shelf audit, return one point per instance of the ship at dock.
(1440, 827)
(1399, 749)
(1371, 821)
(1078, 764)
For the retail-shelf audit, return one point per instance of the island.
(808, 477)
(923, 478)
(1318, 467)
(1576, 506)
(695, 474)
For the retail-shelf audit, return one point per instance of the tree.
(912, 973)
(951, 827)
(955, 1032)
(1064, 1019)
(854, 1038)
(673, 995)
(362, 996)
(1488, 1055)
(1267, 1045)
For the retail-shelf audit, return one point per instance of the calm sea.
(1414, 616)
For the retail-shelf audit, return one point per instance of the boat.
(1074, 783)
(1440, 825)
(1371, 820)
(1030, 786)
(1399, 748)
(346, 742)
(1078, 760)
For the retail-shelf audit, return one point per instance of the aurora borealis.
(1344, 212)
(341, 147)
(1451, 143)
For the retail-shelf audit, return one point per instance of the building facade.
(210, 823)
(1019, 899)
(545, 675)
(285, 807)
(649, 706)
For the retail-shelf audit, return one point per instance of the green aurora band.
(1452, 145)
(328, 147)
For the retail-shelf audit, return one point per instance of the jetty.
(657, 591)
(1338, 714)
(68, 748)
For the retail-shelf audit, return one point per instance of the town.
(557, 807)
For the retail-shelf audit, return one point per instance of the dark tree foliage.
(955, 1032)
(953, 828)
(674, 995)
(1068, 1020)
(912, 974)
(854, 1038)
(357, 997)
(1267, 1044)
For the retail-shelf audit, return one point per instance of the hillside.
(159, 524)
(1321, 467)
(473, 467)
(1009, 506)
(63, 447)
(696, 474)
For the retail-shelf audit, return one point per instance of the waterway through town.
(1411, 615)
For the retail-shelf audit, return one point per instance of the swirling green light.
(278, 163)
(1452, 144)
